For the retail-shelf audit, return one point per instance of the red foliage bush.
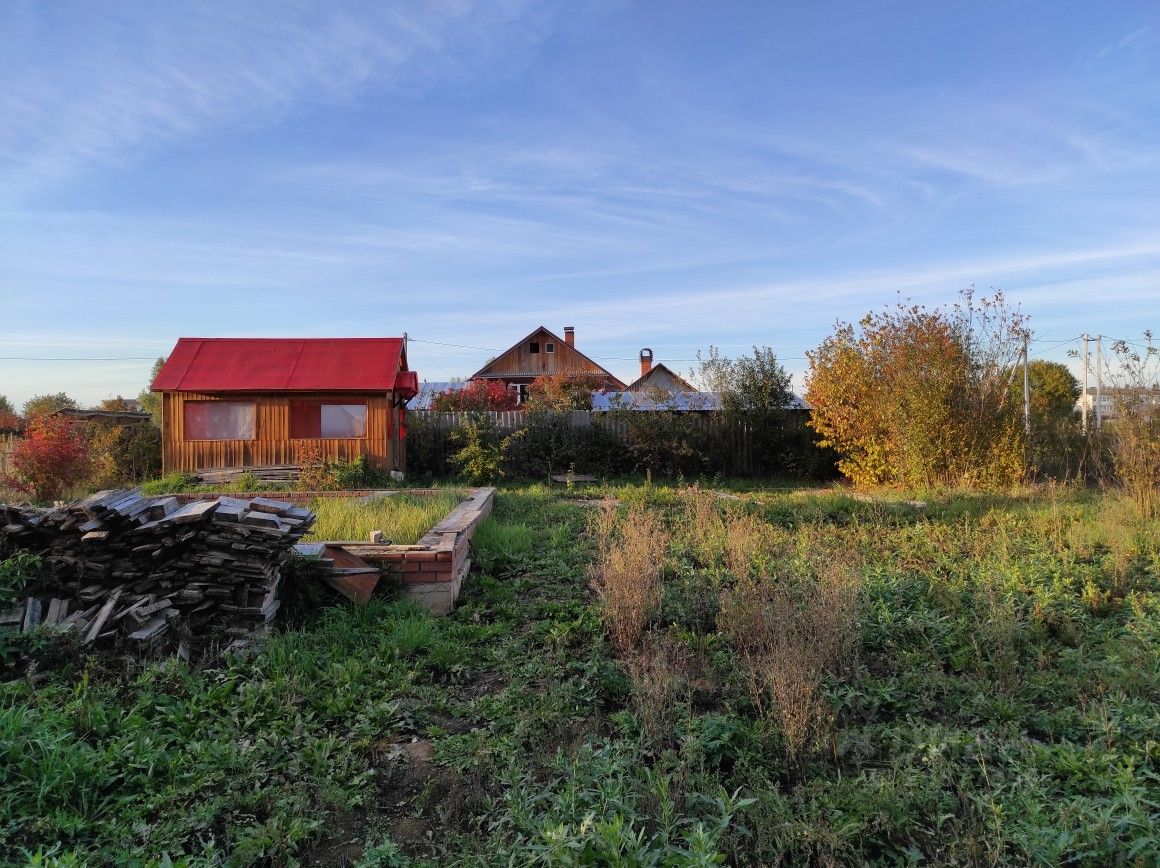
(11, 422)
(476, 395)
(52, 458)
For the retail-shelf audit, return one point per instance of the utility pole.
(1026, 391)
(1084, 404)
(1099, 381)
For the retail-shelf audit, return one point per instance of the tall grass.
(403, 518)
(627, 572)
(790, 629)
(499, 544)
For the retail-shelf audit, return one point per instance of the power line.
(78, 358)
(428, 358)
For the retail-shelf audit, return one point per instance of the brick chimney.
(645, 361)
(570, 335)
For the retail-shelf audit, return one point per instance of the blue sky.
(662, 174)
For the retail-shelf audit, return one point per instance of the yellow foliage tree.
(917, 397)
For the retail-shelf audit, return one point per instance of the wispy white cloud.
(91, 84)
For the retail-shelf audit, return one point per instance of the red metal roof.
(281, 365)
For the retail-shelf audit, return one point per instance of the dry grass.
(790, 629)
(751, 544)
(627, 572)
(659, 672)
(704, 526)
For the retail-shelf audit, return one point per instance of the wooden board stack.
(228, 475)
(137, 566)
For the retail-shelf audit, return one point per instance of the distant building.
(657, 376)
(1110, 398)
(542, 354)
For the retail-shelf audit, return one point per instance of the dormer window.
(534, 347)
(549, 348)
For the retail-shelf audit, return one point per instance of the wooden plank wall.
(520, 361)
(272, 444)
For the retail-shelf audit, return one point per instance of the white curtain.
(344, 420)
(220, 420)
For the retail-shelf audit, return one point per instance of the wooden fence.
(732, 452)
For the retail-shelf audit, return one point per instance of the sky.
(662, 174)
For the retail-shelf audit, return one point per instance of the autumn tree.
(149, 400)
(10, 420)
(119, 404)
(51, 459)
(568, 391)
(912, 396)
(45, 405)
(474, 396)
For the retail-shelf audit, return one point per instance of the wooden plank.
(357, 586)
(57, 610)
(31, 615)
(152, 628)
(265, 504)
(102, 617)
(191, 512)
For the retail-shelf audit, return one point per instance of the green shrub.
(479, 457)
(124, 455)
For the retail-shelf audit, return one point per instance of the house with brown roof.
(540, 354)
(256, 402)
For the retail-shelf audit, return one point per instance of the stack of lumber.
(123, 563)
(272, 473)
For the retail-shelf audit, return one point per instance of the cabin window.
(549, 348)
(534, 347)
(521, 390)
(219, 420)
(314, 420)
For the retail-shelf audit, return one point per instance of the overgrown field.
(675, 678)
(402, 517)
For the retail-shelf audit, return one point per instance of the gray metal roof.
(428, 390)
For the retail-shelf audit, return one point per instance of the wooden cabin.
(542, 354)
(263, 402)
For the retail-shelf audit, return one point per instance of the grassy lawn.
(402, 518)
(812, 678)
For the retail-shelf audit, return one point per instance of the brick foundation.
(433, 569)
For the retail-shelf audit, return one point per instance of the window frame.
(549, 348)
(318, 405)
(186, 438)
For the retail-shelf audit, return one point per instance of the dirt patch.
(341, 844)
